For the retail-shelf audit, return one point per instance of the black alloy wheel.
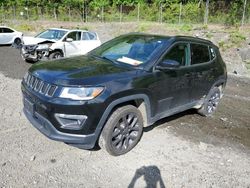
(122, 131)
(211, 102)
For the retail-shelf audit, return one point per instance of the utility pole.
(161, 13)
(180, 12)
(138, 12)
(206, 13)
(120, 13)
(244, 11)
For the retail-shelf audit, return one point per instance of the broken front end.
(36, 52)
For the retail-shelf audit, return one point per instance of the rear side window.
(92, 36)
(199, 54)
(85, 36)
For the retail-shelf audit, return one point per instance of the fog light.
(73, 122)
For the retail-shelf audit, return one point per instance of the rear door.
(89, 41)
(202, 66)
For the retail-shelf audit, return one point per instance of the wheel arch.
(220, 83)
(141, 101)
(56, 50)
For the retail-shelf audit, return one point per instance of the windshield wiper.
(106, 58)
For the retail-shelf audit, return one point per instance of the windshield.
(131, 49)
(52, 34)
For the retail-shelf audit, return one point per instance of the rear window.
(199, 54)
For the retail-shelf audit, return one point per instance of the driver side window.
(75, 35)
(178, 53)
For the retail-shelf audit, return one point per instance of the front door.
(73, 48)
(173, 86)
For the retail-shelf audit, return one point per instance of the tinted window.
(199, 54)
(7, 30)
(85, 36)
(76, 35)
(178, 53)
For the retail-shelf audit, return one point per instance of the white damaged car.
(57, 43)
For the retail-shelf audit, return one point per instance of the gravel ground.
(185, 150)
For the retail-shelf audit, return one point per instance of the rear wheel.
(56, 55)
(17, 43)
(211, 102)
(122, 131)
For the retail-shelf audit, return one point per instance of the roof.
(62, 29)
(175, 38)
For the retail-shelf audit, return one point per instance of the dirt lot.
(185, 150)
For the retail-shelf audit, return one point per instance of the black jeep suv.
(127, 83)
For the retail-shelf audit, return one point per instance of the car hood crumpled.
(35, 40)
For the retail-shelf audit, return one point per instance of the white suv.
(57, 43)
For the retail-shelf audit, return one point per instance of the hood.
(35, 40)
(81, 70)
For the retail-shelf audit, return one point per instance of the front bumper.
(34, 54)
(45, 127)
(41, 113)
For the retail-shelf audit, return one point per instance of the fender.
(222, 80)
(119, 101)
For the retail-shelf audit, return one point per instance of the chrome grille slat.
(40, 86)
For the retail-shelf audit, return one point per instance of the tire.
(122, 131)
(17, 43)
(56, 55)
(211, 102)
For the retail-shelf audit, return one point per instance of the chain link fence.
(178, 13)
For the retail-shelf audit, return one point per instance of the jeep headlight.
(81, 93)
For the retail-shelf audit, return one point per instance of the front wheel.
(56, 55)
(122, 131)
(211, 102)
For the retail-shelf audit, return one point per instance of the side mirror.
(69, 39)
(168, 64)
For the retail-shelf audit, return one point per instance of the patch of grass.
(236, 38)
(186, 28)
(209, 35)
(143, 27)
(25, 27)
(248, 65)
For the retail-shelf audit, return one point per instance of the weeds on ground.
(186, 28)
(25, 27)
(235, 40)
(143, 27)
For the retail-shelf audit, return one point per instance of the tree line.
(230, 11)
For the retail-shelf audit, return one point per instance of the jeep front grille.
(40, 86)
